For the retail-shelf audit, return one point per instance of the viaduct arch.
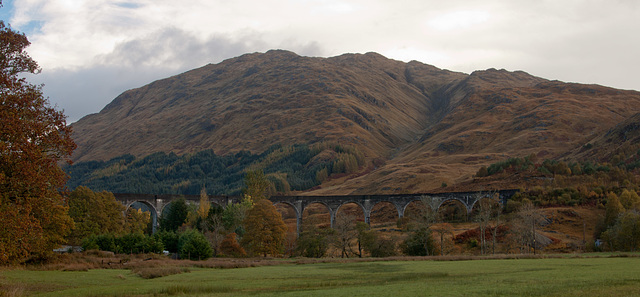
(158, 202)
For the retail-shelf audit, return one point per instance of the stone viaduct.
(157, 203)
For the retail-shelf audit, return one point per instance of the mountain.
(418, 126)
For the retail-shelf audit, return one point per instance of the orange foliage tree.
(34, 137)
(266, 231)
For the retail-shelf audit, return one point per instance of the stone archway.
(317, 213)
(146, 206)
(384, 213)
(452, 210)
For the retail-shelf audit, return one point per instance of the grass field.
(510, 277)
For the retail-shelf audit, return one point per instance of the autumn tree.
(230, 246)
(313, 241)
(234, 215)
(488, 210)
(443, 230)
(265, 229)
(624, 235)
(420, 241)
(365, 237)
(526, 224)
(257, 186)
(629, 199)
(94, 213)
(34, 138)
(344, 233)
(213, 228)
(137, 221)
(612, 210)
(203, 211)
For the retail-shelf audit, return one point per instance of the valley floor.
(567, 275)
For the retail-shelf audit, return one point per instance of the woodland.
(46, 201)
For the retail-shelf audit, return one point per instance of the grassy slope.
(524, 277)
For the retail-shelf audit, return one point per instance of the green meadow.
(509, 277)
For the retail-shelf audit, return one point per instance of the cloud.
(132, 64)
(110, 46)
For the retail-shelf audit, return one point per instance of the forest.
(288, 168)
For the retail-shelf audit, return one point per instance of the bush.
(383, 247)
(193, 245)
(313, 242)
(419, 243)
(169, 240)
(129, 244)
(134, 243)
(103, 242)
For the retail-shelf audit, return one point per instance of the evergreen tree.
(174, 215)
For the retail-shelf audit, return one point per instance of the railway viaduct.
(156, 204)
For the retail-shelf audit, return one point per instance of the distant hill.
(417, 126)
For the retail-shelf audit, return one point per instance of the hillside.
(417, 126)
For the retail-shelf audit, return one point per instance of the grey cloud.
(175, 48)
(85, 91)
(138, 62)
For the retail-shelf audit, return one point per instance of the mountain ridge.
(425, 126)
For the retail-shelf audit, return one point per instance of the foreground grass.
(514, 277)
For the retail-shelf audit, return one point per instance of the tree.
(496, 222)
(265, 229)
(94, 213)
(489, 209)
(257, 186)
(313, 241)
(174, 215)
(137, 221)
(420, 241)
(34, 138)
(382, 247)
(230, 246)
(344, 233)
(205, 205)
(625, 233)
(612, 210)
(365, 236)
(234, 215)
(525, 225)
(213, 228)
(442, 230)
(629, 199)
(193, 245)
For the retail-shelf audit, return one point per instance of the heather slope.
(255, 101)
(418, 126)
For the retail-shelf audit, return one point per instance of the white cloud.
(459, 20)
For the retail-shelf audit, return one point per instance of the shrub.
(313, 242)
(103, 242)
(383, 247)
(419, 243)
(193, 245)
(169, 240)
(129, 244)
(230, 246)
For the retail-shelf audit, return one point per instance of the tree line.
(289, 168)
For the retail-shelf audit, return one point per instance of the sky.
(90, 51)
